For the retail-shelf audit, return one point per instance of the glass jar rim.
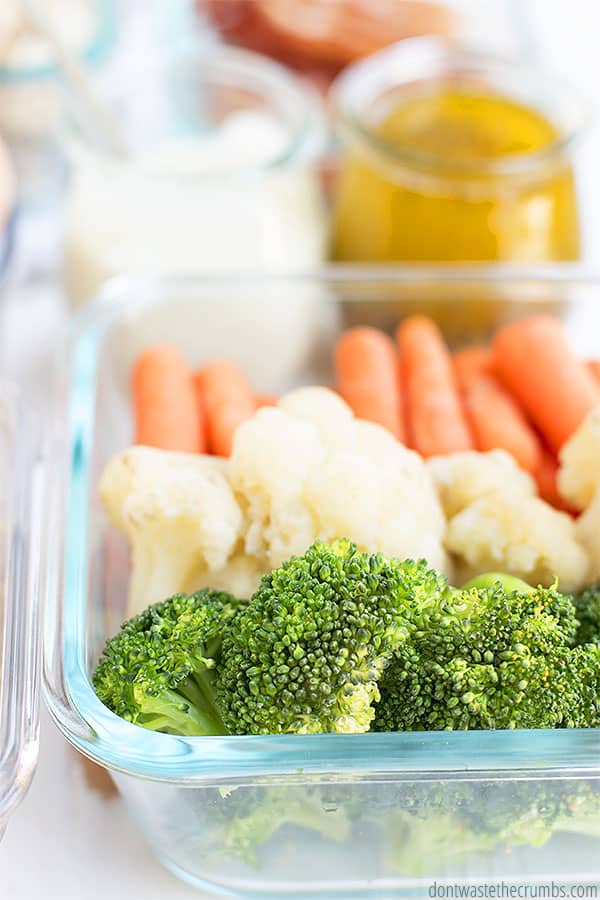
(222, 66)
(358, 86)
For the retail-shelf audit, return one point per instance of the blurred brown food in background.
(320, 37)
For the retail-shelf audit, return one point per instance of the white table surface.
(69, 840)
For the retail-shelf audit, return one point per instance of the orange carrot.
(435, 419)
(593, 366)
(496, 419)
(546, 478)
(470, 362)
(367, 372)
(266, 400)
(229, 401)
(164, 400)
(533, 357)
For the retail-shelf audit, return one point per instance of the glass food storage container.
(218, 174)
(20, 538)
(453, 154)
(371, 815)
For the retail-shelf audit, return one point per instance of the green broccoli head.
(252, 816)
(487, 658)
(583, 681)
(482, 817)
(307, 653)
(587, 605)
(159, 670)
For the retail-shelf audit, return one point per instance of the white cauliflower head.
(273, 454)
(462, 478)
(309, 470)
(497, 523)
(588, 532)
(324, 409)
(519, 534)
(579, 472)
(381, 495)
(179, 514)
(579, 482)
(240, 576)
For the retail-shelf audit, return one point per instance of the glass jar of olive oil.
(449, 155)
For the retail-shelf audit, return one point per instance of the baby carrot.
(436, 423)
(593, 366)
(164, 401)
(266, 400)
(496, 419)
(367, 373)
(471, 362)
(534, 359)
(228, 399)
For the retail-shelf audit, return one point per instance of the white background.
(73, 842)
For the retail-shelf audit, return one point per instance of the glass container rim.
(121, 746)
(230, 66)
(452, 56)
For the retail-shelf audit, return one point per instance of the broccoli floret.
(252, 816)
(307, 653)
(587, 604)
(489, 658)
(414, 842)
(579, 811)
(159, 670)
(450, 822)
(583, 678)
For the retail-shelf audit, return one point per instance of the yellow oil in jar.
(437, 184)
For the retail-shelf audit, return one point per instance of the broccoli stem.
(198, 688)
(178, 712)
(509, 583)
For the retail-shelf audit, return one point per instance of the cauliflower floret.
(310, 470)
(240, 576)
(179, 514)
(326, 410)
(520, 534)
(579, 482)
(588, 532)
(382, 495)
(579, 473)
(272, 456)
(497, 523)
(462, 478)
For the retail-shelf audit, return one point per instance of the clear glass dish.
(361, 816)
(20, 538)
